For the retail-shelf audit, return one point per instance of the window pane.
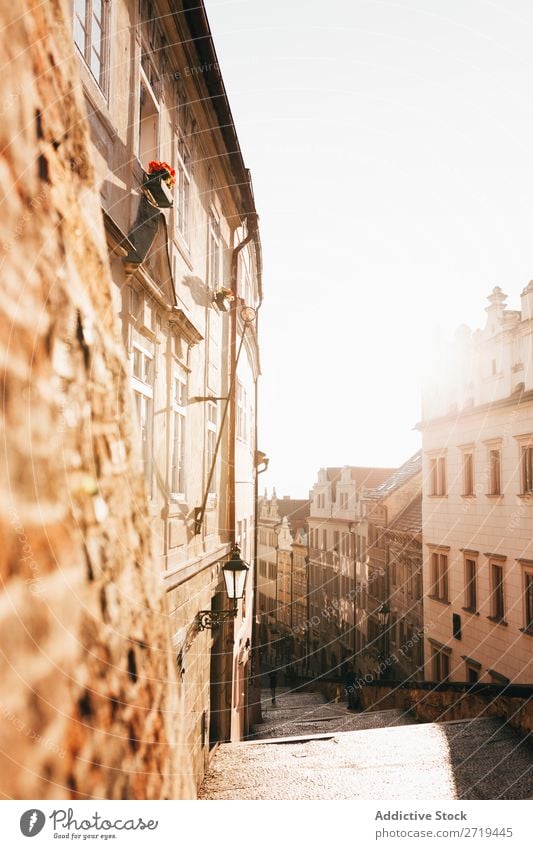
(79, 34)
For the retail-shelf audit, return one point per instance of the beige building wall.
(477, 507)
(148, 102)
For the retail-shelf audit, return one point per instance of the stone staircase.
(308, 748)
(303, 714)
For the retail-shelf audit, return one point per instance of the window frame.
(102, 80)
(211, 422)
(468, 471)
(144, 390)
(179, 409)
(497, 564)
(439, 577)
(437, 476)
(470, 583)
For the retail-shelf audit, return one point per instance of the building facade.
(477, 436)
(338, 572)
(186, 267)
(391, 646)
(282, 579)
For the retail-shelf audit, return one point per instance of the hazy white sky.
(391, 147)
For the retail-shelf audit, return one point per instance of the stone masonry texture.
(86, 675)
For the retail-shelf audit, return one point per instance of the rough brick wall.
(88, 698)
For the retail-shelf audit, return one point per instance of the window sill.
(177, 498)
(470, 610)
(468, 495)
(494, 495)
(436, 495)
(528, 632)
(440, 600)
(498, 621)
(525, 495)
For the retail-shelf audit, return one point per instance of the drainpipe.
(251, 223)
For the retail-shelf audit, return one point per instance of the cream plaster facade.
(477, 433)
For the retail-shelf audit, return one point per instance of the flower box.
(157, 186)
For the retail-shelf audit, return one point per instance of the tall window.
(183, 186)
(179, 410)
(242, 409)
(528, 599)
(89, 35)
(470, 584)
(496, 592)
(468, 473)
(440, 664)
(149, 109)
(215, 253)
(142, 382)
(437, 476)
(439, 576)
(212, 424)
(495, 464)
(527, 469)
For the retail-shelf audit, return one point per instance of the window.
(470, 584)
(526, 465)
(468, 473)
(344, 500)
(472, 672)
(214, 254)
(439, 576)
(528, 598)
(148, 140)
(495, 471)
(182, 188)
(142, 382)
(212, 423)
(496, 592)
(440, 664)
(437, 476)
(242, 427)
(179, 400)
(90, 22)
(324, 539)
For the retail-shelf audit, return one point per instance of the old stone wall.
(88, 693)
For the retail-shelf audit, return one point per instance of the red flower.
(154, 166)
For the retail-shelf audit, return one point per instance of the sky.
(391, 150)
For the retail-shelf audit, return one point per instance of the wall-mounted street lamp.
(234, 571)
(384, 614)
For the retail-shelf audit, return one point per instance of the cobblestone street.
(308, 749)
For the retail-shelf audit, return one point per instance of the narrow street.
(309, 749)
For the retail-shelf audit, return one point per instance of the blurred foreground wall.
(87, 704)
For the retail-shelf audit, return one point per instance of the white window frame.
(143, 391)
(178, 433)
(211, 414)
(440, 574)
(437, 484)
(242, 412)
(86, 49)
(214, 252)
(145, 83)
(468, 469)
(182, 188)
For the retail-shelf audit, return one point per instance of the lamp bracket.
(214, 618)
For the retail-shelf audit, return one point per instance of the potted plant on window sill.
(223, 298)
(158, 183)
